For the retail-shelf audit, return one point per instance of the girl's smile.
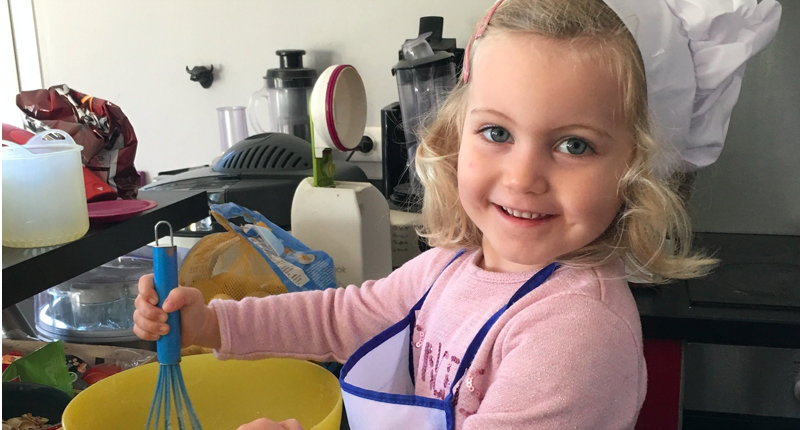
(522, 216)
(543, 146)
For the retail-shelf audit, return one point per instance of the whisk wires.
(170, 389)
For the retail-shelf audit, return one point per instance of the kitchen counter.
(28, 271)
(752, 298)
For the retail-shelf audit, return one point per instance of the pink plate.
(118, 210)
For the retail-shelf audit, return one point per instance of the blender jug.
(282, 104)
(424, 79)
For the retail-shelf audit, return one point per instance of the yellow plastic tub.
(225, 395)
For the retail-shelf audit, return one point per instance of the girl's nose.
(526, 173)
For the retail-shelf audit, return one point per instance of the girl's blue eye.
(574, 146)
(496, 134)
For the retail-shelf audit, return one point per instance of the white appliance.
(350, 223)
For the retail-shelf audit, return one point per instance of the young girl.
(542, 194)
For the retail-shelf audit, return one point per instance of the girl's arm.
(322, 325)
(573, 364)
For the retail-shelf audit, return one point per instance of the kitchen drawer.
(742, 380)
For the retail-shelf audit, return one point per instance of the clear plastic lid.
(122, 269)
(98, 301)
(417, 49)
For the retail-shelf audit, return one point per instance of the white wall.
(134, 53)
(9, 84)
(19, 57)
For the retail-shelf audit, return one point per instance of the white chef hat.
(694, 53)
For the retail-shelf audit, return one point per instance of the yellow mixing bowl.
(225, 395)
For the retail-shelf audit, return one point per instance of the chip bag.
(254, 258)
(99, 126)
(47, 366)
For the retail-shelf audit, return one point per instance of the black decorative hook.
(202, 74)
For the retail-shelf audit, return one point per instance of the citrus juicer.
(338, 111)
(348, 220)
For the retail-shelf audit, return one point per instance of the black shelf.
(29, 271)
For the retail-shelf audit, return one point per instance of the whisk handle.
(165, 269)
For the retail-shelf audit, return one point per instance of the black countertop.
(28, 271)
(752, 298)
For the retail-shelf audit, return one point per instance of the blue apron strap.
(419, 303)
(412, 316)
(469, 355)
(535, 281)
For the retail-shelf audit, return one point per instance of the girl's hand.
(265, 424)
(199, 325)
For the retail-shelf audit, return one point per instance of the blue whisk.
(170, 389)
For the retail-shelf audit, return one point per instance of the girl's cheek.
(465, 160)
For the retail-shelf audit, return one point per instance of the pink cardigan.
(566, 356)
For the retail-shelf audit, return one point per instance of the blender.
(281, 105)
(424, 79)
(425, 74)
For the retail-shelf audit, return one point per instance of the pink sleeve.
(320, 325)
(576, 369)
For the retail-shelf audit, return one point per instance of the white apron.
(378, 379)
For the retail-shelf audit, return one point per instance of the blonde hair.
(652, 232)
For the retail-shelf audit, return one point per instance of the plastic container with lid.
(44, 199)
(95, 307)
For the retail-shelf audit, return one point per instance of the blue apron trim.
(449, 417)
(413, 319)
(409, 321)
(535, 281)
(472, 349)
(391, 331)
(372, 344)
(399, 399)
(419, 303)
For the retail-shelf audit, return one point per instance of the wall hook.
(201, 74)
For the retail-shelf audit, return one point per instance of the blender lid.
(437, 59)
(291, 73)
(434, 25)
